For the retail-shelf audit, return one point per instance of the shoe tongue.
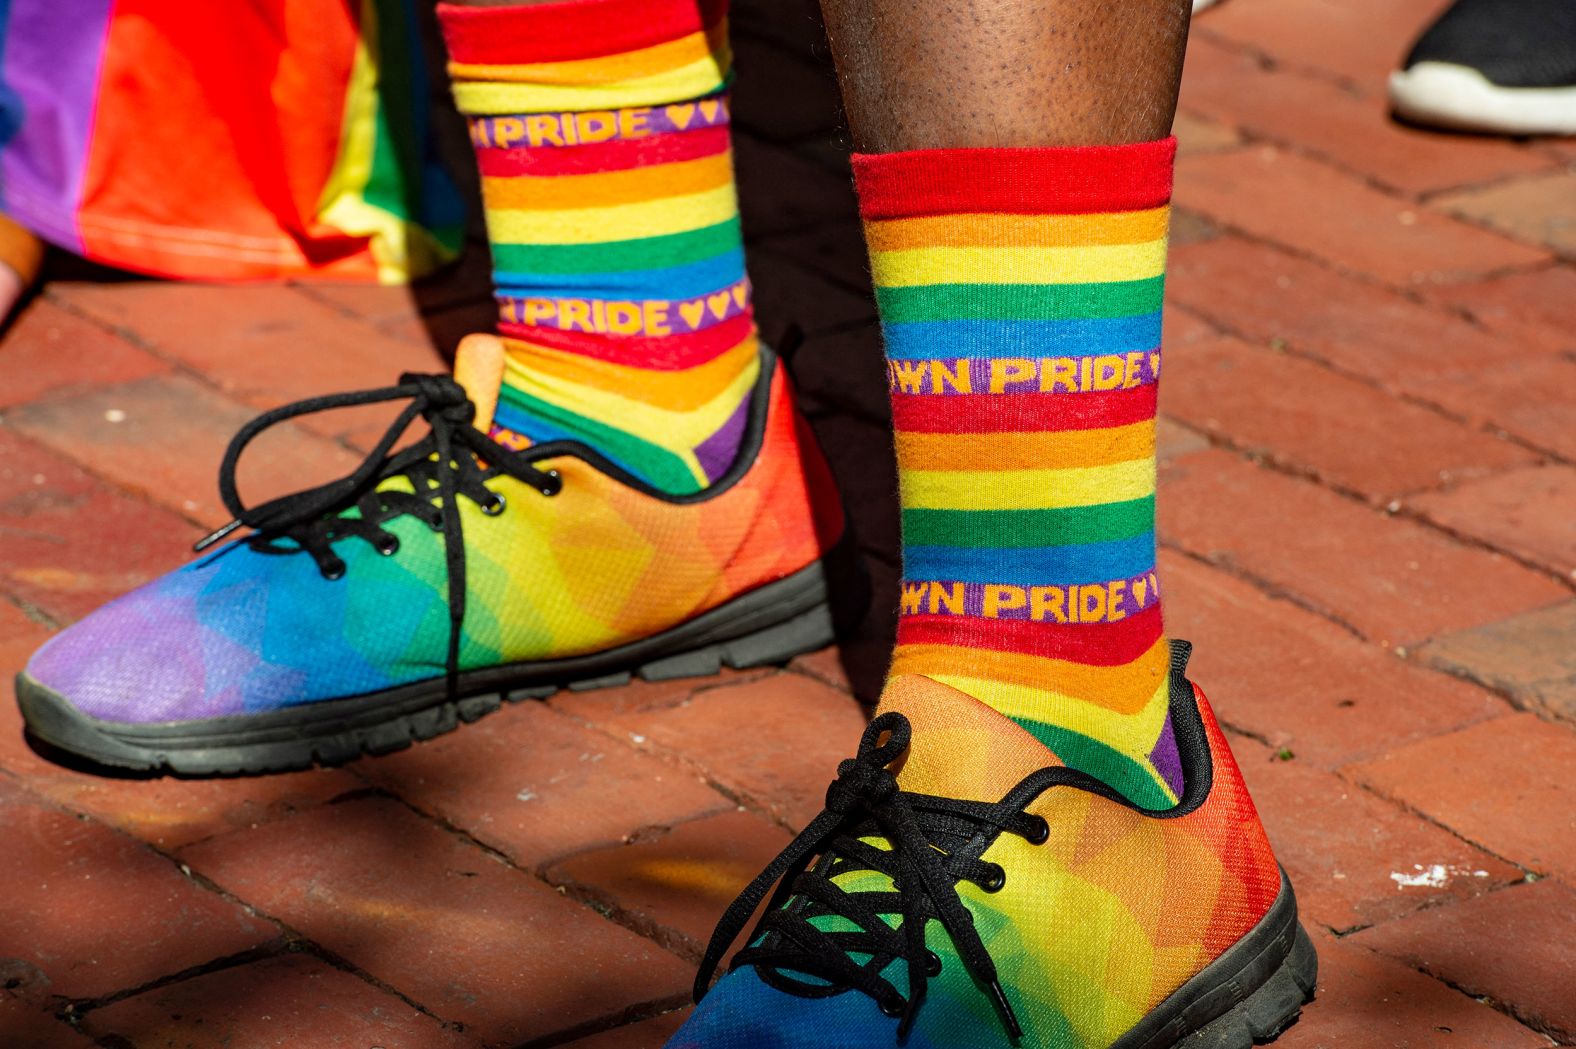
(961, 748)
(478, 367)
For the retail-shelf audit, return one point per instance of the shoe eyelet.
(932, 963)
(553, 486)
(1039, 831)
(388, 547)
(893, 1008)
(334, 573)
(496, 506)
(995, 880)
(436, 524)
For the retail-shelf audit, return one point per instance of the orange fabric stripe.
(1123, 689)
(990, 231)
(636, 185)
(1026, 451)
(671, 390)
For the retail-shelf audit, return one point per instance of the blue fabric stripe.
(540, 431)
(933, 340)
(1033, 566)
(674, 282)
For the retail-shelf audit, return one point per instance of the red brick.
(1503, 784)
(1528, 307)
(1342, 430)
(1529, 512)
(1295, 679)
(1198, 134)
(648, 1034)
(1530, 399)
(1350, 129)
(441, 921)
(536, 786)
(72, 542)
(1392, 580)
(69, 881)
(1514, 947)
(1538, 209)
(774, 742)
(600, 705)
(262, 344)
(825, 666)
(1267, 296)
(1355, 40)
(293, 1000)
(674, 887)
(27, 1025)
(1355, 859)
(164, 438)
(47, 349)
(373, 303)
(1291, 200)
(1369, 1002)
(1531, 657)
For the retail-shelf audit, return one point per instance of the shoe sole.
(766, 626)
(1247, 996)
(1452, 96)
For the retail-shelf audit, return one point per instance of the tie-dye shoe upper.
(1059, 915)
(571, 571)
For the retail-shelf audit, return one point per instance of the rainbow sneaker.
(360, 615)
(1058, 915)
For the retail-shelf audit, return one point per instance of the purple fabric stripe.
(966, 375)
(1167, 759)
(537, 130)
(1107, 602)
(53, 52)
(717, 452)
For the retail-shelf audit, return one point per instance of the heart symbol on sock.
(692, 312)
(681, 115)
(719, 303)
(741, 292)
(708, 110)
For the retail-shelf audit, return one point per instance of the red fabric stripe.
(1093, 644)
(1021, 412)
(1063, 180)
(570, 29)
(664, 353)
(615, 155)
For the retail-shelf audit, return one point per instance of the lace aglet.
(213, 537)
(1008, 1018)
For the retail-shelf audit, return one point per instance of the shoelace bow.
(864, 801)
(445, 464)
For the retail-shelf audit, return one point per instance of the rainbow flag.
(226, 141)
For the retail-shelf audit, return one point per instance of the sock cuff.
(570, 30)
(1029, 181)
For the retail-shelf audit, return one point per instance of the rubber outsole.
(766, 626)
(1247, 996)
(1452, 96)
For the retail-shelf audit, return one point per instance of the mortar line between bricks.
(1418, 199)
(31, 611)
(1396, 507)
(1271, 63)
(1291, 348)
(289, 939)
(1510, 1009)
(1410, 809)
(1266, 587)
(186, 369)
(74, 1010)
(633, 1014)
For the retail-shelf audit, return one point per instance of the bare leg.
(965, 73)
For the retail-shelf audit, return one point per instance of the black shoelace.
(935, 843)
(441, 467)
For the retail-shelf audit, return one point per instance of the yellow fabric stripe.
(1125, 689)
(607, 188)
(651, 218)
(1027, 489)
(996, 452)
(912, 267)
(1132, 734)
(674, 430)
(491, 97)
(992, 230)
(678, 391)
(605, 69)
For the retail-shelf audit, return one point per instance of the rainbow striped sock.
(1020, 294)
(601, 131)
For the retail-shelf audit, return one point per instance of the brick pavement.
(1369, 490)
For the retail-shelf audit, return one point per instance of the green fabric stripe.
(1070, 526)
(656, 465)
(1020, 302)
(620, 256)
(1135, 780)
